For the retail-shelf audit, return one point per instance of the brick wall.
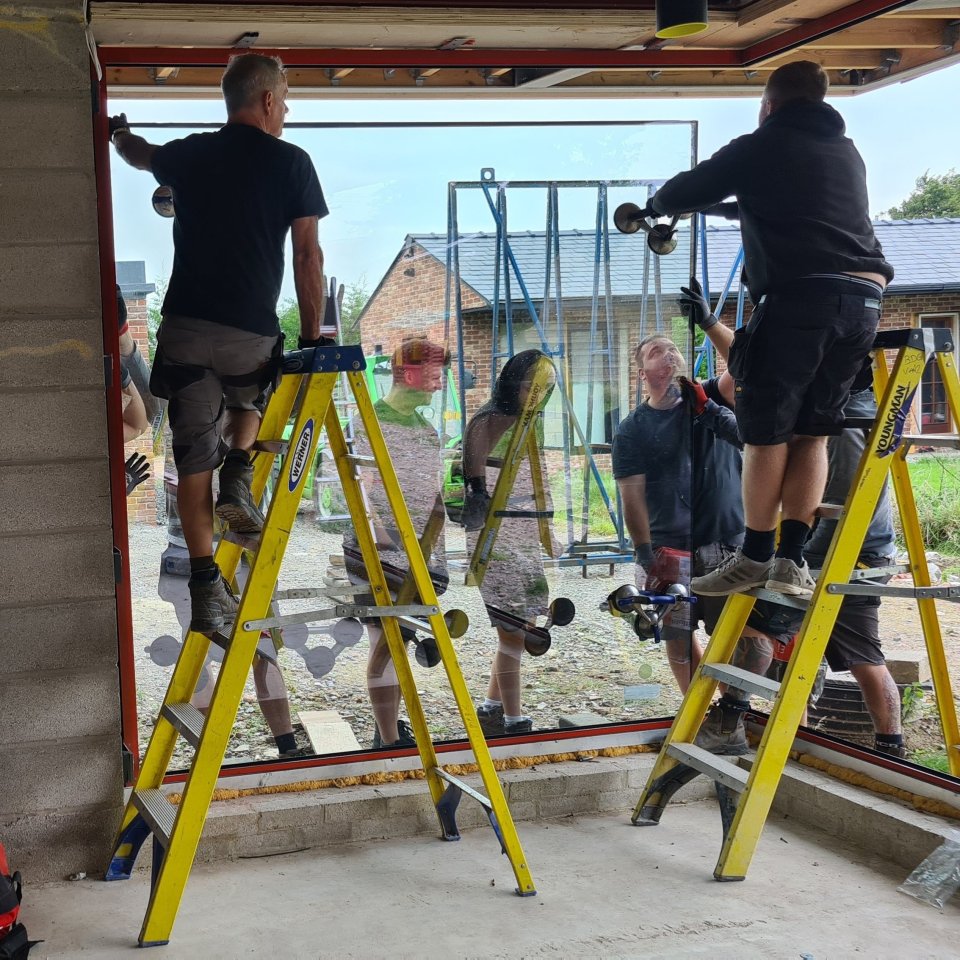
(142, 503)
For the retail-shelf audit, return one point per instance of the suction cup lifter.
(661, 237)
(648, 607)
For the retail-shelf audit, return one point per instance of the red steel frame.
(118, 484)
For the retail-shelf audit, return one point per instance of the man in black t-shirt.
(237, 192)
(677, 468)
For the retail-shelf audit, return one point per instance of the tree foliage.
(934, 196)
(355, 298)
(154, 303)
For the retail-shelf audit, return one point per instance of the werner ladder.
(746, 795)
(310, 377)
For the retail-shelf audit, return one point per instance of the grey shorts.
(205, 369)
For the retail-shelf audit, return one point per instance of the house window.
(934, 410)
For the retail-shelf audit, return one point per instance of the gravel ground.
(590, 663)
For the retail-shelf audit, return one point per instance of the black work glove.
(476, 504)
(304, 342)
(642, 563)
(136, 469)
(118, 124)
(694, 304)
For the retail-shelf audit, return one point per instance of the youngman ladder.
(746, 794)
(306, 390)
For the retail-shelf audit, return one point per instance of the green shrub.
(936, 488)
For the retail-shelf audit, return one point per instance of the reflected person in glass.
(513, 586)
(417, 370)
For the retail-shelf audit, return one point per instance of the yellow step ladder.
(309, 380)
(746, 794)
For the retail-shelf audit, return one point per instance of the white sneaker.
(795, 581)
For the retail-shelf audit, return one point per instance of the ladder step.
(244, 540)
(361, 459)
(158, 813)
(186, 718)
(271, 446)
(785, 600)
(743, 679)
(717, 768)
(829, 511)
(934, 440)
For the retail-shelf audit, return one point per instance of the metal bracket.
(951, 593)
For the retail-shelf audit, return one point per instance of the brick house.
(132, 278)
(411, 298)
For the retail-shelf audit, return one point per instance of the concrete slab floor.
(606, 890)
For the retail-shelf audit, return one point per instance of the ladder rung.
(934, 440)
(717, 768)
(187, 719)
(361, 459)
(244, 540)
(158, 813)
(271, 446)
(743, 679)
(829, 511)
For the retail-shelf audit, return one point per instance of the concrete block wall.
(60, 788)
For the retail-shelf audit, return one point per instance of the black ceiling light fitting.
(681, 18)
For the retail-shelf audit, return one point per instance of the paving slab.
(606, 890)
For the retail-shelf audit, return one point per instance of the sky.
(381, 184)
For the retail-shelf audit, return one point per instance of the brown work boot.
(722, 732)
(236, 507)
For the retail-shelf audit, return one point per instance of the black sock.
(203, 568)
(793, 535)
(758, 544)
(237, 457)
(286, 742)
(888, 739)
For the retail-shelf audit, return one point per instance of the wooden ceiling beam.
(904, 34)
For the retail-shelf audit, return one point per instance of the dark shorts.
(685, 618)
(205, 369)
(856, 636)
(795, 360)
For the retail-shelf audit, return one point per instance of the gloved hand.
(643, 561)
(118, 124)
(136, 469)
(694, 394)
(476, 504)
(696, 307)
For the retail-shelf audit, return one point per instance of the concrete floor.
(607, 890)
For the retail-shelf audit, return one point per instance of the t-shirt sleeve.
(169, 159)
(628, 452)
(305, 198)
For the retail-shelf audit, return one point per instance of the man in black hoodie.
(816, 275)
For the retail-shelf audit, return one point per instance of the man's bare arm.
(633, 494)
(721, 336)
(308, 276)
(134, 150)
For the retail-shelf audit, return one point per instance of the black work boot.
(236, 507)
(212, 605)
